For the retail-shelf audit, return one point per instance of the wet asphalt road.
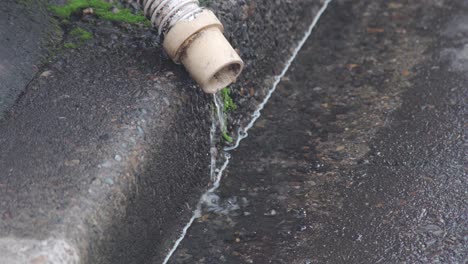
(360, 155)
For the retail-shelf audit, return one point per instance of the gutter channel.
(242, 134)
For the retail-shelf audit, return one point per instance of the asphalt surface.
(360, 155)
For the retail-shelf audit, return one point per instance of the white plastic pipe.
(194, 37)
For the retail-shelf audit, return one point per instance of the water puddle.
(210, 201)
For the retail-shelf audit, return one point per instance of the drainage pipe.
(194, 37)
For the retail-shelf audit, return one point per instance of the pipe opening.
(225, 76)
(202, 48)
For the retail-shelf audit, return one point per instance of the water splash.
(219, 119)
(206, 198)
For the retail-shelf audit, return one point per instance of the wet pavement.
(360, 155)
(26, 31)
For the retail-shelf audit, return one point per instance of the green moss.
(101, 9)
(229, 104)
(224, 134)
(81, 34)
(227, 137)
(123, 15)
(70, 45)
(73, 6)
(65, 22)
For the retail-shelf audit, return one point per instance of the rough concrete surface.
(107, 146)
(360, 155)
(21, 54)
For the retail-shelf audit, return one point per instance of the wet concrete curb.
(107, 148)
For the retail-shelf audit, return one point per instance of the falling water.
(219, 121)
(219, 104)
(213, 149)
(205, 198)
(218, 118)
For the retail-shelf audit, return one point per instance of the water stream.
(221, 116)
(209, 198)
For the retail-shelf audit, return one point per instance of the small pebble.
(272, 212)
(88, 11)
(109, 181)
(46, 74)
(118, 158)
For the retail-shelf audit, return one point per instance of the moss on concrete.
(78, 37)
(101, 9)
(226, 137)
(73, 6)
(70, 45)
(81, 34)
(229, 104)
(123, 15)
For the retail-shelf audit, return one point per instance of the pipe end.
(223, 77)
(204, 51)
(211, 60)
